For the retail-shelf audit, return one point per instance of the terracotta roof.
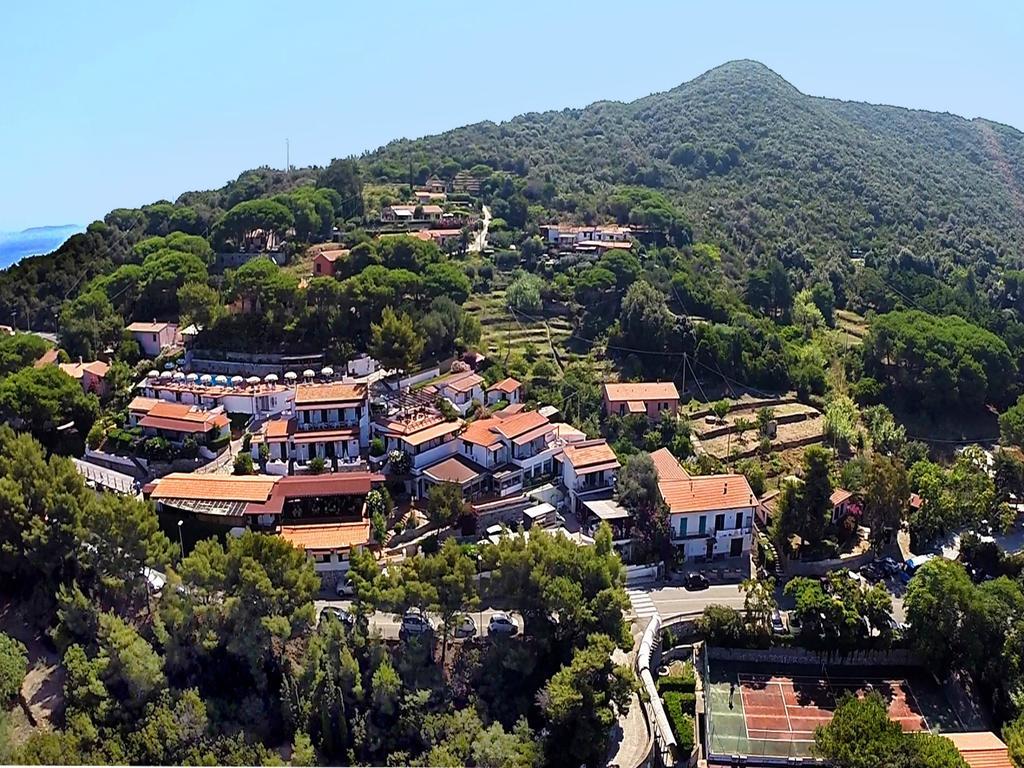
(279, 429)
(320, 394)
(839, 495)
(332, 256)
(507, 386)
(180, 417)
(461, 382)
(148, 327)
(481, 432)
(452, 470)
(641, 390)
(327, 535)
(143, 403)
(589, 453)
(703, 493)
(332, 484)
(184, 485)
(533, 434)
(569, 433)
(636, 406)
(175, 425)
(430, 433)
(76, 370)
(667, 466)
(49, 357)
(915, 501)
(520, 423)
(408, 424)
(981, 749)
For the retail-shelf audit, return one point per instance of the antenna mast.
(287, 157)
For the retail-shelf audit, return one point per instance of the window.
(703, 525)
(739, 519)
(719, 522)
(467, 449)
(682, 526)
(324, 557)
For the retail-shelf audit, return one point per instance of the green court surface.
(773, 709)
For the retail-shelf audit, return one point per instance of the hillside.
(765, 168)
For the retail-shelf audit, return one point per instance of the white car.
(465, 627)
(501, 624)
(415, 624)
(344, 588)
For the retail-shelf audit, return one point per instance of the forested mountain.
(766, 168)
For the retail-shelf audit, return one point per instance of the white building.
(154, 337)
(462, 390)
(257, 399)
(588, 471)
(710, 516)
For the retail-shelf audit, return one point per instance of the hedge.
(679, 708)
(219, 444)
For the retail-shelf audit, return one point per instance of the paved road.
(480, 238)
(388, 624)
(672, 600)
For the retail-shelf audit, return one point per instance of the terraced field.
(851, 325)
(504, 333)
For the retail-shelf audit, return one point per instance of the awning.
(607, 510)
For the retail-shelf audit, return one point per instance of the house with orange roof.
(411, 213)
(154, 337)
(331, 421)
(508, 389)
(324, 515)
(506, 454)
(461, 389)
(710, 516)
(648, 398)
(421, 433)
(261, 399)
(587, 471)
(177, 421)
(92, 376)
(324, 262)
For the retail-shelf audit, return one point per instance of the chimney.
(80, 360)
(725, 488)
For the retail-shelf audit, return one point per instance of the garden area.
(677, 690)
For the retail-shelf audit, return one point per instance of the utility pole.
(287, 157)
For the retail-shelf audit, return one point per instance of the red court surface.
(780, 708)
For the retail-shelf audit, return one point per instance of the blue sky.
(120, 104)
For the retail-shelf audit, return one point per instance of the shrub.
(13, 666)
(220, 442)
(189, 448)
(247, 442)
(317, 465)
(243, 464)
(679, 710)
(377, 447)
(157, 448)
(400, 462)
(95, 437)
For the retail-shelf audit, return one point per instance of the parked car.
(344, 587)
(695, 581)
(501, 624)
(342, 614)
(415, 624)
(872, 573)
(466, 627)
(778, 625)
(889, 566)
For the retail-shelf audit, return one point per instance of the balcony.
(723, 534)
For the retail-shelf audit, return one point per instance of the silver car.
(416, 624)
(501, 624)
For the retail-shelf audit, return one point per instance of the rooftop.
(77, 370)
(185, 485)
(641, 390)
(507, 386)
(667, 466)
(454, 469)
(683, 492)
(465, 381)
(482, 432)
(590, 454)
(981, 749)
(327, 536)
(520, 423)
(153, 327)
(334, 392)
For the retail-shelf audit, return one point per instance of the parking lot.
(389, 624)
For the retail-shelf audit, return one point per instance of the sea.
(15, 246)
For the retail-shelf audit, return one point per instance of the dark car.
(872, 573)
(695, 581)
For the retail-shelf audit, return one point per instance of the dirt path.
(43, 689)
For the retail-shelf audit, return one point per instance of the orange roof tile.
(148, 327)
(641, 390)
(315, 536)
(702, 493)
(452, 470)
(521, 423)
(839, 495)
(184, 485)
(461, 382)
(481, 432)
(981, 749)
(507, 386)
(320, 394)
(142, 403)
(76, 370)
(49, 357)
(433, 432)
(589, 453)
(185, 412)
(667, 466)
(333, 256)
(279, 429)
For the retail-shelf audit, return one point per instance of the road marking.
(642, 604)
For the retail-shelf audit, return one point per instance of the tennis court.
(754, 710)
